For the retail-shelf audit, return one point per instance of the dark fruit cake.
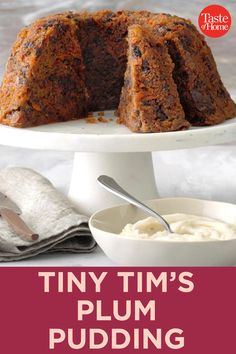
(63, 66)
(44, 80)
(149, 100)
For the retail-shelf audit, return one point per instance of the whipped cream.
(185, 227)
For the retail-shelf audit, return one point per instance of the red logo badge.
(214, 21)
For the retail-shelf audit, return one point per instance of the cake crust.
(44, 79)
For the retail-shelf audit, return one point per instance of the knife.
(10, 212)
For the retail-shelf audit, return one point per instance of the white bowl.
(108, 223)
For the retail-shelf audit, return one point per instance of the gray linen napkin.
(47, 212)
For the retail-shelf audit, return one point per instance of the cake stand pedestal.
(110, 148)
(132, 170)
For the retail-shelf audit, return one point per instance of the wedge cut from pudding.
(149, 100)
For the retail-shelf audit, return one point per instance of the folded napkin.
(47, 212)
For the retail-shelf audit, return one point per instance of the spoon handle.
(111, 185)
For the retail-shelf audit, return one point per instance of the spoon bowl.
(112, 186)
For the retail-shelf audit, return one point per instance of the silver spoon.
(112, 186)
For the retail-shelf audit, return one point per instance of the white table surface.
(201, 172)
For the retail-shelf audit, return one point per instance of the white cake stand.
(110, 148)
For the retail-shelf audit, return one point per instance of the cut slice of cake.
(149, 100)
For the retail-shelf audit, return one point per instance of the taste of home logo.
(214, 21)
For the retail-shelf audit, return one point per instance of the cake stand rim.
(34, 138)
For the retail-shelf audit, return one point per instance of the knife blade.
(10, 212)
(6, 202)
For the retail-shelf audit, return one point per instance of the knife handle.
(18, 225)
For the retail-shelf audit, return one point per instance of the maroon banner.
(122, 310)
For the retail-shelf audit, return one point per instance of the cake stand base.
(134, 171)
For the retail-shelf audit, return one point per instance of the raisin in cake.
(149, 100)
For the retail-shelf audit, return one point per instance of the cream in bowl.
(213, 241)
(185, 227)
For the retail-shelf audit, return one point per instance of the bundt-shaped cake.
(63, 66)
